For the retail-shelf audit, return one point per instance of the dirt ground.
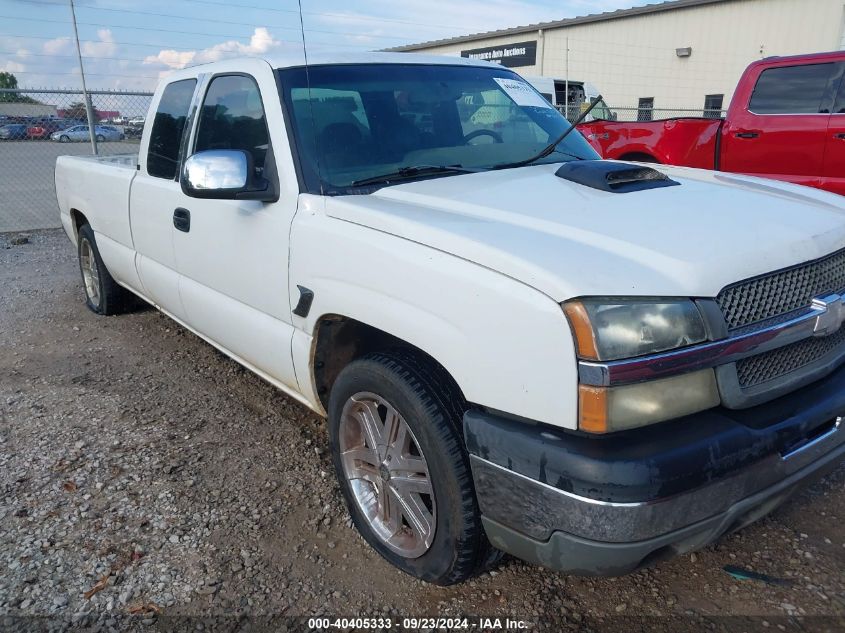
(145, 473)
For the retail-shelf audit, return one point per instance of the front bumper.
(610, 505)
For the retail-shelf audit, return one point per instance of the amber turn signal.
(579, 321)
(592, 409)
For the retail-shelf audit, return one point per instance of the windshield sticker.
(522, 93)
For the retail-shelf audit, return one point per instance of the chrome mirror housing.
(216, 172)
(225, 174)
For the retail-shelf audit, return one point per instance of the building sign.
(510, 55)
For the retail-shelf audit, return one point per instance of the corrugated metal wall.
(635, 57)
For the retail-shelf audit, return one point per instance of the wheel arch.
(77, 219)
(338, 340)
(642, 157)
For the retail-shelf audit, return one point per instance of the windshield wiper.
(550, 148)
(406, 173)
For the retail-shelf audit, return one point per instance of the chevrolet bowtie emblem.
(831, 311)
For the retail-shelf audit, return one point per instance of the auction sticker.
(522, 93)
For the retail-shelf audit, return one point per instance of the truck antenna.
(310, 101)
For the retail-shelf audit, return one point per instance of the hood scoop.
(614, 177)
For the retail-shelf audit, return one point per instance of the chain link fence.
(641, 114)
(37, 126)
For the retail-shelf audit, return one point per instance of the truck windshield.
(602, 112)
(355, 123)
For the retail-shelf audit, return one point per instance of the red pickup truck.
(786, 121)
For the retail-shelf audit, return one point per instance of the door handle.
(747, 134)
(182, 219)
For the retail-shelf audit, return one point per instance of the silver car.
(80, 133)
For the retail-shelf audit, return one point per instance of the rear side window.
(232, 117)
(791, 89)
(169, 123)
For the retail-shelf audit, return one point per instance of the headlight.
(610, 329)
(615, 329)
(608, 409)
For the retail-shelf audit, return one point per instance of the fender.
(467, 317)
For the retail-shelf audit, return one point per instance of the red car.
(786, 121)
(43, 129)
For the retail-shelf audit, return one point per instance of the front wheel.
(64, 139)
(103, 295)
(100, 138)
(394, 430)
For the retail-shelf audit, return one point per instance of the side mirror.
(224, 174)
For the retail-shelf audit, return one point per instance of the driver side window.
(232, 117)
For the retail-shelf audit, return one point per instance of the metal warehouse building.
(678, 55)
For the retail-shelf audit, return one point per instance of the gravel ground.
(145, 473)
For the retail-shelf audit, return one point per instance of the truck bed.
(99, 185)
(689, 141)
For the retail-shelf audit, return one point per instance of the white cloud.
(105, 47)
(260, 42)
(57, 46)
(12, 67)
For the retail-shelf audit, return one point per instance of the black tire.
(64, 139)
(433, 408)
(101, 138)
(110, 298)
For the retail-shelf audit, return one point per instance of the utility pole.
(89, 110)
(566, 80)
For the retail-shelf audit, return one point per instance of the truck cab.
(787, 121)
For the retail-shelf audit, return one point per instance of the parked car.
(784, 122)
(45, 128)
(137, 121)
(81, 133)
(13, 132)
(590, 364)
(133, 131)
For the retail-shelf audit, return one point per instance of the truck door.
(833, 178)
(780, 132)
(155, 193)
(233, 255)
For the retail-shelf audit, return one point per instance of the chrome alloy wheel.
(90, 273)
(387, 474)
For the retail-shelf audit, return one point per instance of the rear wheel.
(103, 295)
(100, 138)
(394, 429)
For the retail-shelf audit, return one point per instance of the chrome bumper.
(537, 509)
(564, 499)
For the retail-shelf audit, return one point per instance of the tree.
(9, 81)
(76, 110)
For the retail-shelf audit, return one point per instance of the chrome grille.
(756, 370)
(784, 291)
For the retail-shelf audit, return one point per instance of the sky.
(129, 45)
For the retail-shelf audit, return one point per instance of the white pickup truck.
(519, 347)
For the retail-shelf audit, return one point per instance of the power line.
(182, 32)
(167, 46)
(32, 72)
(230, 5)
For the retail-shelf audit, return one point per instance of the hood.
(569, 240)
